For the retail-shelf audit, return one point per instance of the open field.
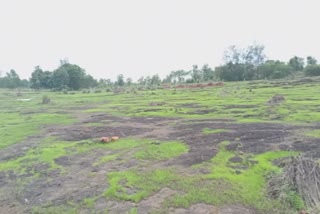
(198, 150)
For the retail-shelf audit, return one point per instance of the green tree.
(297, 63)
(129, 81)
(253, 54)
(89, 82)
(141, 81)
(60, 79)
(230, 72)
(36, 77)
(232, 55)
(274, 69)
(155, 80)
(168, 79)
(208, 73)
(76, 74)
(46, 79)
(40, 78)
(24, 83)
(12, 79)
(312, 70)
(196, 74)
(120, 80)
(311, 60)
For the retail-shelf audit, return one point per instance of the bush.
(45, 99)
(312, 70)
(65, 91)
(97, 91)
(134, 91)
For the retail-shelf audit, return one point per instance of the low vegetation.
(213, 145)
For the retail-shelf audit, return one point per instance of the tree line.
(247, 64)
(66, 76)
(240, 64)
(12, 80)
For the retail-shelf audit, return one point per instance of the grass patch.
(161, 151)
(47, 152)
(15, 127)
(54, 210)
(207, 131)
(89, 202)
(313, 133)
(224, 186)
(106, 159)
(135, 186)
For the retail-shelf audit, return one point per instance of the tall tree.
(196, 74)
(36, 77)
(253, 54)
(208, 73)
(232, 55)
(129, 81)
(60, 79)
(274, 69)
(76, 74)
(120, 80)
(141, 81)
(88, 82)
(297, 63)
(155, 80)
(12, 79)
(40, 78)
(311, 60)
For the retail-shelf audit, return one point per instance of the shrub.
(45, 99)
(134, 91)
(65, 91)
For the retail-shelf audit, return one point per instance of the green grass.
(19, 120)
(250, 184)
(313, 133)
(106, 159)
(15, 127)
(162, 151)
(89, 202)
(252, 180)
(224, 186)
(207, 131)
(54, 210)
(142, 184)
(46, 152)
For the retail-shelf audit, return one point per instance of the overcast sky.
(145, 37)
